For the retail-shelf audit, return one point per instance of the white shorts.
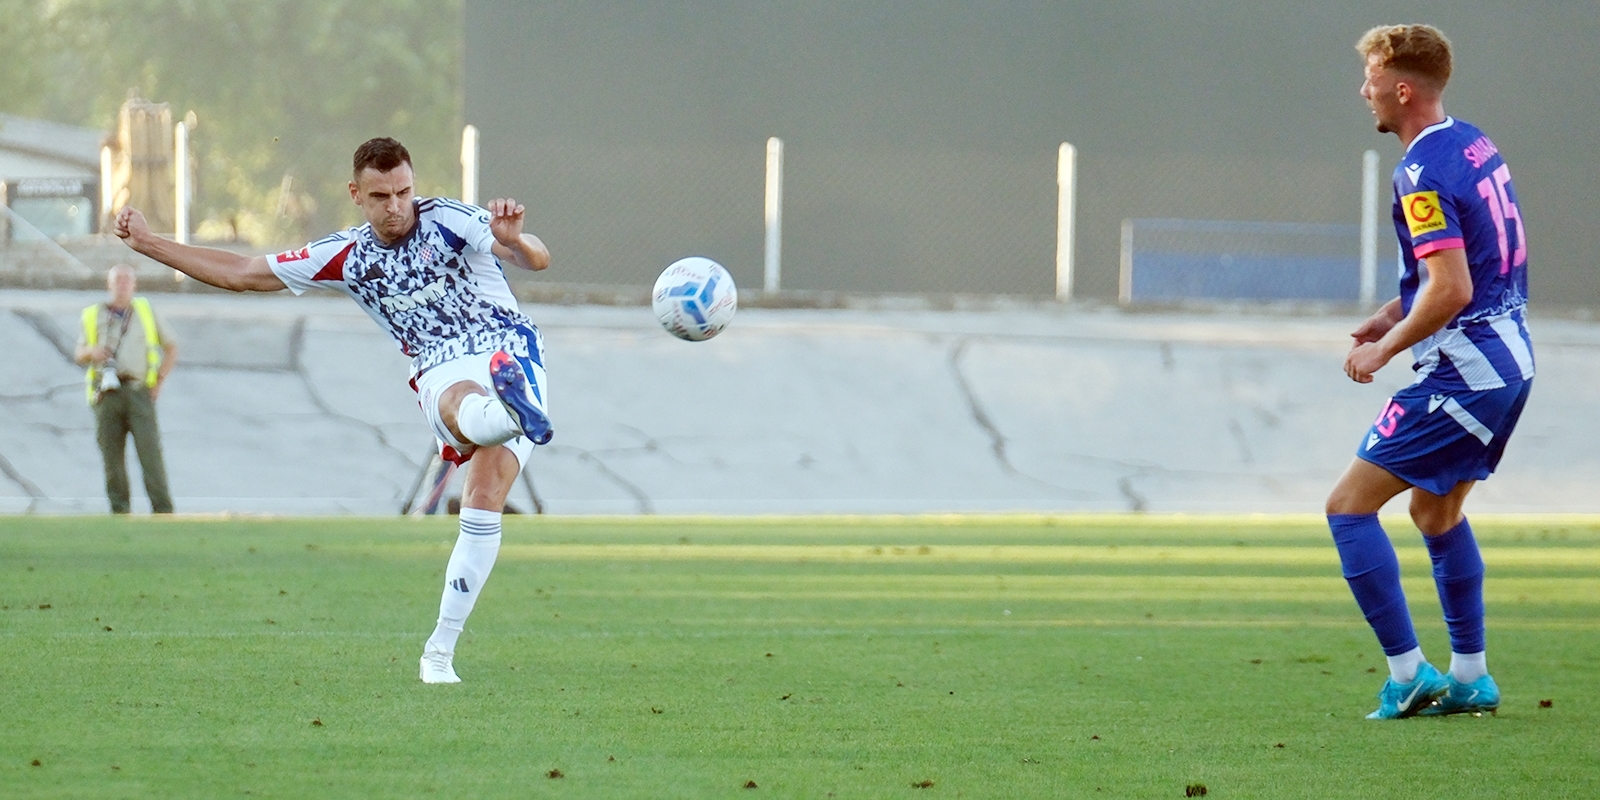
(474, 368)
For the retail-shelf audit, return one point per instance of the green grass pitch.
(828, 657)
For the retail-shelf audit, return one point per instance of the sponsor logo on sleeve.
(1423, 214)
(294, 255)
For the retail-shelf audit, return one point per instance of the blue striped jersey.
(1453, 190)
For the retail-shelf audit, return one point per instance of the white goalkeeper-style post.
(1369, 228)
(180, 184)
(772, 274)
(1066, 197)
(469, 165)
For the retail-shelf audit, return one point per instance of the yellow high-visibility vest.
(152, 343)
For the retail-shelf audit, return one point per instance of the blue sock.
(1373, 572)
(1458, 572)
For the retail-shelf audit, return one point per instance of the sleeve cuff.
(1429, 248)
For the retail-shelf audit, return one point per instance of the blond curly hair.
(1420, 51)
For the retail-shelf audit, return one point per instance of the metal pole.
(107, 194)
(1066, 195)
(180, 183)
(469, 165)
(1369, 228)
(1125, 270)
(772, 275)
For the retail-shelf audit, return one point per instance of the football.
(695, 298)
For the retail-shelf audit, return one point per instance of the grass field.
(917, 658)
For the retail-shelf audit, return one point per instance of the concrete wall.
(300, 406)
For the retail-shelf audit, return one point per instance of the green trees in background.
(282, 92)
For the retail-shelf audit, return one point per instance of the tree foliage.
(283, 91)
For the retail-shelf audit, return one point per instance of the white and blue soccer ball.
(695, 298)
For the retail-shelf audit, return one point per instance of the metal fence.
(1177, 260)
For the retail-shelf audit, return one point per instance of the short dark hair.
(382, 154)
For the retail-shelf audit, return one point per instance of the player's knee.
(494, 471)
(442, 412)
(1434, 517)
(1343, 501)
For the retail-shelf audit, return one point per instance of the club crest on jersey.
(1423, 214)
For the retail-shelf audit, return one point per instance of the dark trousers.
(119, 413)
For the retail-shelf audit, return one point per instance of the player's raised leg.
(473, 417)
(1373, 571)
(490, 476)
(1458, 575)
(517, 373)
(465, 414)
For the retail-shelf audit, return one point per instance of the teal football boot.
(1465, 698)
(1401, 700)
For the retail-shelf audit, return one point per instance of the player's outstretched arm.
(220, 268)
(510, 243)
(1449, 289)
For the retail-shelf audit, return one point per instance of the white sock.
(485, 421)
(1403, 667)
(476, 548)
(1468, 667)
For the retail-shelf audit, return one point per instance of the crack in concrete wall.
(1239, 438)
(1136, 502)
(639, 496)
(533, 493)
(45, 396)
(997, 439)
(58, 341)
(651, 445)
(35, 494)
(47, 330)
(297, 339)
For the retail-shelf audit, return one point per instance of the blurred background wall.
(921, 135)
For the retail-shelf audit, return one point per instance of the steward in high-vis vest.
(128, 354)
(108, 375)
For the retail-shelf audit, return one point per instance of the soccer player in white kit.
(428, 270)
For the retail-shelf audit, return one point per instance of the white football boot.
(436, 667)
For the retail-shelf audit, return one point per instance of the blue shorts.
(1434, 440)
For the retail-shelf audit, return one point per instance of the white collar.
(1437, 126)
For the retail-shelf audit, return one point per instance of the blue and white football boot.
(1400, 700)
(512, 386)
(1465, 698)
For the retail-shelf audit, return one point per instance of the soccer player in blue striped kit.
(1462, 313)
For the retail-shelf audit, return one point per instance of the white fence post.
(1369, 228)
(107, 194)
(772, 275)
(180, 184)
(469, 165)
(1066, 197)
(1125, 265)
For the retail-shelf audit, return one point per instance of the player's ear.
(1403, 92)
(355, 193)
